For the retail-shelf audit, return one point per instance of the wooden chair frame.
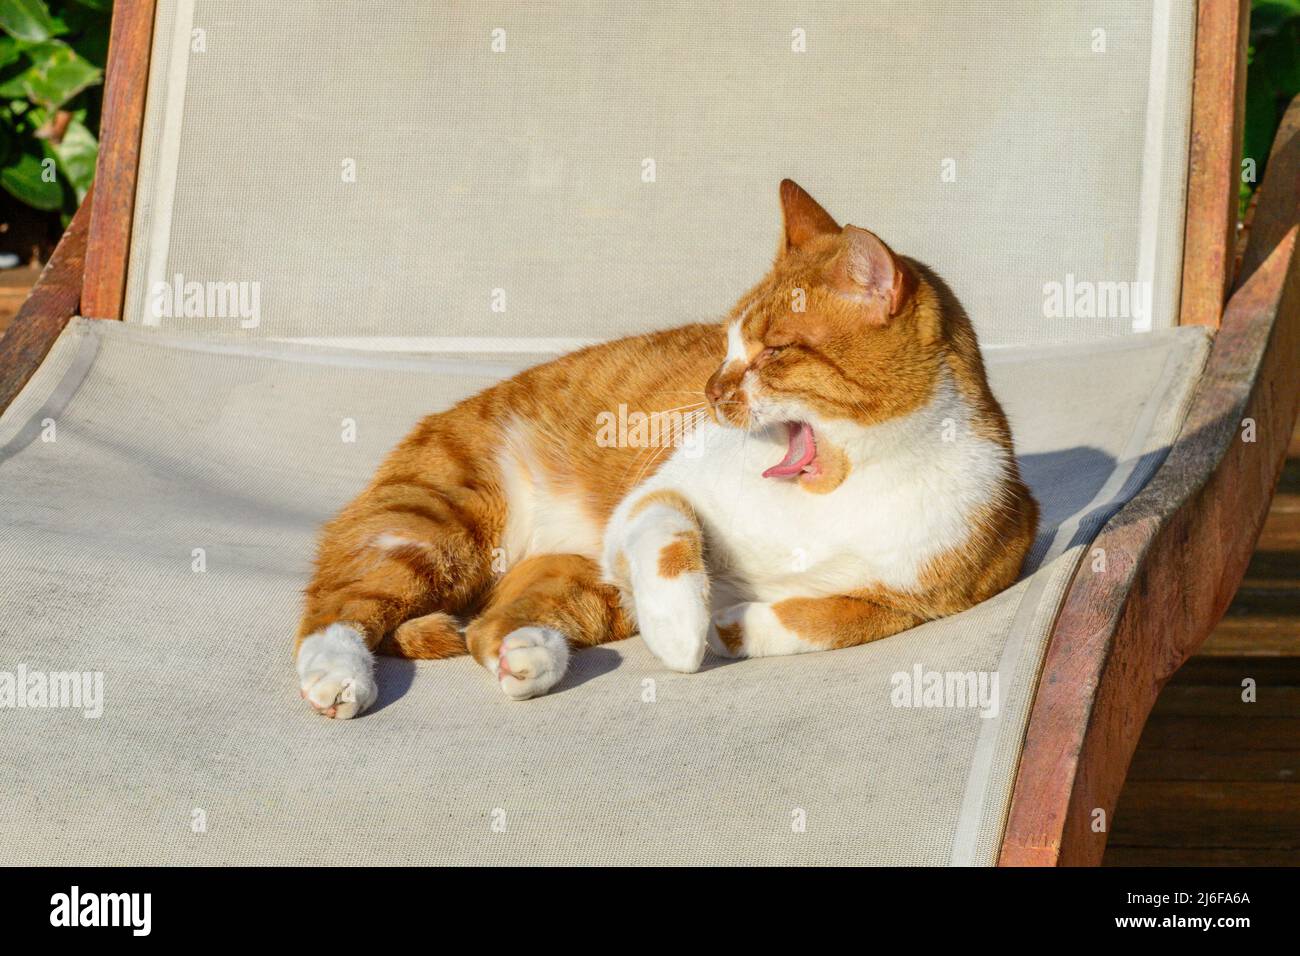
(1176, 553)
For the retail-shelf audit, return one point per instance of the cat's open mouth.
(800, 454)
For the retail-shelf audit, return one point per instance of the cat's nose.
(713, 389)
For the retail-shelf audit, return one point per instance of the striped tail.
(426, 638)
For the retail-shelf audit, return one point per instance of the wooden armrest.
(53, 300)
(1177, 552)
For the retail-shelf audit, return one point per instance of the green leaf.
(76, 156)
(11, 51)
(28, 20)
(56, 75)
(101, 5)
(26, 180)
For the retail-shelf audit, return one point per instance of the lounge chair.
(314, 223)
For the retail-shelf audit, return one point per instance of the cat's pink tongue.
(799, 454)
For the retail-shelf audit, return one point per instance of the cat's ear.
(805, 220)
(866, 270)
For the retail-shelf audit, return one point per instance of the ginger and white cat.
(832, 468)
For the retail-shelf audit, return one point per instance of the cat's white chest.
(770, 538)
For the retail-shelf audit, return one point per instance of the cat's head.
(841, 331)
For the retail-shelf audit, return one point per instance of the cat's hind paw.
(336, 672)
(532, 661)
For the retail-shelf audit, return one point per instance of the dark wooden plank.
(1220, 766)
(1218, 112)
(1192, 814)
(1181, 700)
(1181, 732)
(1206, 829)
(1198, 856)
(1273, 568)
(1255, 600)
(42, 317)
(1282, 531)
(1264, 618)
(1282, 799)
(1180, 548)
(15, 287)
(119, 155)
(1254, 637)
(1229, 671)
(1289, 483)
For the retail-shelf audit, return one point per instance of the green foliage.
(1272, 78)
(52, 55)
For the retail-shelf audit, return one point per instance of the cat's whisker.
(655, 453)
(677, 391)
(645, 459)
(679, 408)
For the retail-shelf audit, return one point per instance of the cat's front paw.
(532, 661)
(336, 672)
(673, 618)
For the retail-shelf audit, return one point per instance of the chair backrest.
(505, 175)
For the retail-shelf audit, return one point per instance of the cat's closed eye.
(767, 355)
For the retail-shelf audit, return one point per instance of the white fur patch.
(736, 350)
(387, 541)
(762, 633)
(532, 661)
(336, 672)
(540, 519)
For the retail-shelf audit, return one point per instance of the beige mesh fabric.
(379, 171)
(159, 497)
(510, 179)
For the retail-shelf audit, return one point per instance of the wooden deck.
(14, 286)
(1215, 780)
